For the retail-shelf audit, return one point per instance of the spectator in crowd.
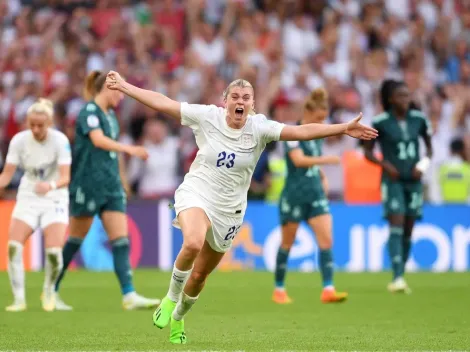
(157, 177)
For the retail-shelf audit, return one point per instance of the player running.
(97, 186)
(304, 199)
(42, 201)
(402, 190)
(211, 201)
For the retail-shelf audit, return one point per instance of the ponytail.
(94, 83)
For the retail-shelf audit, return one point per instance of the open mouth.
(239, 112)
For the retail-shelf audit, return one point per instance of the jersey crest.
(247, 140)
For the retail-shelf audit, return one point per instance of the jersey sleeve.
(426, 128)
(14, 150)
(88, 120)
(270, 130)
(64, 152)
(291, 145)
(379, 122)
(192, 114)
(376, 125)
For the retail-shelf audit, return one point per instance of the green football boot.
(162, 315)
(177, 334)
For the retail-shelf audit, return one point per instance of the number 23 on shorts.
(232, 232)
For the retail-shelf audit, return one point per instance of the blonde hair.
(318, 99)
(42, 106)
(242, 84)
(94, 83)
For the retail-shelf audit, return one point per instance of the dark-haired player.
(400, 128)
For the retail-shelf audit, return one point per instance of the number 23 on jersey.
(226, 159)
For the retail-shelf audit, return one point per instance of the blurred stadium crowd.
(191, 49)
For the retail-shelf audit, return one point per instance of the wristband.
(53, 185)
(423, 164)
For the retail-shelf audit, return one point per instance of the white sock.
(183, 306)
(53, 266)
(129, 295)
(16, 270)
(177, 283)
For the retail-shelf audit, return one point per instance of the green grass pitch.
(235, 313)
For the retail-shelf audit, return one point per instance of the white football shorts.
(41, 212)
(223, 228)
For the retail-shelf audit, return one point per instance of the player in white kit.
(42, 200)
(211, 201)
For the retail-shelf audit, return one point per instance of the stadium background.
(190, 50)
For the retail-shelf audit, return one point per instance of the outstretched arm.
(311, 131)
(152, 99)
(316, 131)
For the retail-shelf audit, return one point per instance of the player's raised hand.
(357, 130)
(138, 151)
(42, 188)
(114, 80)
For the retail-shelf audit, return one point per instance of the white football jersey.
(221, 173)
(39, 160)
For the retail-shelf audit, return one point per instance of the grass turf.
(235, 313)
